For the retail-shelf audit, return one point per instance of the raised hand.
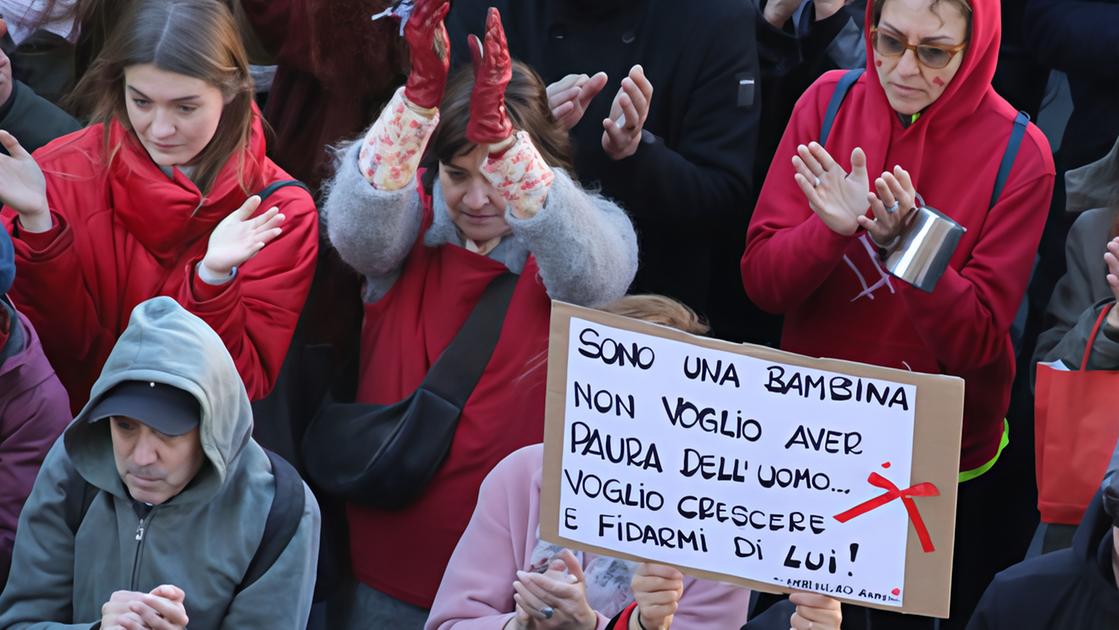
(836, 196)
(22, 186)
(892, 206)
(657, 588)
(622, 130)
(570, 96)
(489, 123)
(240, 236)
(1111, 259)
(429, 51)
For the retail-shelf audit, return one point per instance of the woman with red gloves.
(495, 198)
(156, 198)
(925, 117)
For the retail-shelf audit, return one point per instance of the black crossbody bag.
(384, 456)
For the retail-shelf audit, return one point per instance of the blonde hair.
(659, 309)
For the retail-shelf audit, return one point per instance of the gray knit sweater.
(584, 243)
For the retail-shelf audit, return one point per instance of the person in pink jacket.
(490, 583)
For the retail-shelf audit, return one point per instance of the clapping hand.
(429, 50)
(240, 236)
(1111, 259)
(570, 96)
(622, 130)
(489, 123)
(555, 599)
(892, 206)
(22, 186)
(839, 198)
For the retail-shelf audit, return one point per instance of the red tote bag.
(1076, 420)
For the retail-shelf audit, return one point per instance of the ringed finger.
(822, 156)
(810, 160)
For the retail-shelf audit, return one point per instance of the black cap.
(166, 409)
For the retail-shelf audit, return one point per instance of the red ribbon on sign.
(925, 489)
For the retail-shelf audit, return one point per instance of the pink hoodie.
(477, 588)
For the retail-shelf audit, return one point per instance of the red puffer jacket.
(130, 232)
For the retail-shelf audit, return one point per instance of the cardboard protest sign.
(750, 465)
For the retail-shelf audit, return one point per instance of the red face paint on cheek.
(878, 62)
(938, 82)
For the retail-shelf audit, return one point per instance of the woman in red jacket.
(157, 198)
(925, 116)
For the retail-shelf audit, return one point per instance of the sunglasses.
(929, 55)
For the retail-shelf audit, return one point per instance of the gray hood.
(166, 344)
(1094, 185)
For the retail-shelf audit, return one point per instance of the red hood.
(969, 87)
(168, 214)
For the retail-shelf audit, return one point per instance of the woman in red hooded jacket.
(925, 116)
(156, 198)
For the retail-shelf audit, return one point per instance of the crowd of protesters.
(241, 237)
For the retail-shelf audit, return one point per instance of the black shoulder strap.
(283, 519)
(1021, 121)
(79, 496)
(841, 89)
(267, 191)
(460, 366)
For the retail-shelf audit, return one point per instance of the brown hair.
(196, 38)
(963, 5)
(526, 100)
(659, 309)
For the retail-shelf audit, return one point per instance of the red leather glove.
(489, 123)
(430, 53)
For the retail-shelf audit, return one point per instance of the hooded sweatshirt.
(130, 232)
(200, 540)
(1070, 588)
(838, 301)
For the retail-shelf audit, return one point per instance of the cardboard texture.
(936, 454)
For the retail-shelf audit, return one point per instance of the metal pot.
(926, 244)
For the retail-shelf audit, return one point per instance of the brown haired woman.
(156, 198)
(499, 201)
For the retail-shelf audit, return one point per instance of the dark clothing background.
(690, 180)
(1071, 588)
(32, 119)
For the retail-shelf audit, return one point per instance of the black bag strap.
(281, 183)
(283, 520)
(1021, 121)
(79, 496)
(459, 368)
(841, 89)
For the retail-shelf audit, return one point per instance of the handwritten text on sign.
(732, 464)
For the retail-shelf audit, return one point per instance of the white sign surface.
(731, 464)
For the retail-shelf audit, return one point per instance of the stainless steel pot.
(927, 243)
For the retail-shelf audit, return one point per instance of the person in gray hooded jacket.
(179, 495)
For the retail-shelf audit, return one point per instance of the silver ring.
(892, 209)
(816, 183)
(547, 611)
